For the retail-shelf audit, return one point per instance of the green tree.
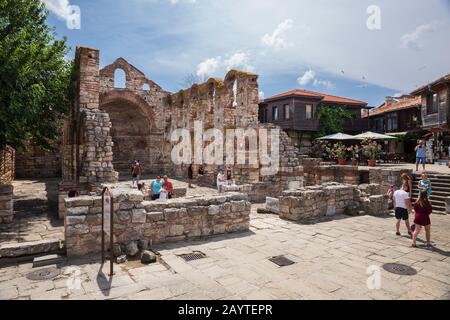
(331, 119)
(34, 75)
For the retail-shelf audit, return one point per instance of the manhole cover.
(193, 256)
(399, 269)
(281, 261)
(44, 274)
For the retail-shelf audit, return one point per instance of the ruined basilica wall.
(33, 162)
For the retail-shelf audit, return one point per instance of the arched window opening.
(119, 79)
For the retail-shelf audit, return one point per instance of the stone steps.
(20, 249)
(441, 190)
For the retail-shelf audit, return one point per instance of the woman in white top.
(221, 179)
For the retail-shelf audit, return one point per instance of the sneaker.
(398, 234)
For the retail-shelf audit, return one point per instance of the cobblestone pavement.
(429, 167)
(331, 258)
(35, 213)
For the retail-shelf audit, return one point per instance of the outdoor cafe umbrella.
(338, 137)
(373, 136)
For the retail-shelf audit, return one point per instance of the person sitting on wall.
(168, 186)
(220, 180)
(229, 175)
(155, 188)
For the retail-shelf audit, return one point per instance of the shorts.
(421, 160)
(135, 175)
(155, 197)
(401, 213)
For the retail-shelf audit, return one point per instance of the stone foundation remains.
(6, 204)
(137, 220)
(327, 200)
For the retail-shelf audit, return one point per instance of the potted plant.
(354, 150)
(337, 151)
(372, 151)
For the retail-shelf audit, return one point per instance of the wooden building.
(295, 112)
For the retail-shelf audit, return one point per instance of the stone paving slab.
(331, 261)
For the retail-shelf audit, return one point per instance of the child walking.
(423, 210)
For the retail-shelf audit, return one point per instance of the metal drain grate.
(197, 255)
(281, 261)
(399, 269)
(44, 274)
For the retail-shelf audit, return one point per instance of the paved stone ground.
(35, 213)
(331, 260)
(431, 168)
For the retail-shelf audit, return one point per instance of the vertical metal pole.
(103, 226)
(111, 241)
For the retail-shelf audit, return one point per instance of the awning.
(373, 136)
(338, 137)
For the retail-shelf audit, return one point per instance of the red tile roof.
(312, 94)
(395, 106)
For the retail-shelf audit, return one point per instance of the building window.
(392, 121)
(287, 112)
(309, 112)
(432, 103)
(275, 114)
(265, 116)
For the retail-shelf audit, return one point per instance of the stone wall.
(7, 158)
(315, 172)
(329, 199)
(387, 177)
(6, 204)
(135, 219)
(33, 162)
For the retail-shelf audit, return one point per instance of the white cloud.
(60, 8)
(261, 94)
(278, 39)
(208, 67)
(307, 77)
(174, 2)
(239, 60)
(310, 77)
(324, 83)
(413, 40)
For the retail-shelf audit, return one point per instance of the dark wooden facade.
(299, 113)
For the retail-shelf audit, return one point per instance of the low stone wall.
(314, 202)
(329, 199)
(7, 159)
(386, 177)
(6, 204)
(316, 172)
(138, 220)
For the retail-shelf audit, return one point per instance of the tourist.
(220, 180)
(190, 176)
(407, 180)
(136, 171)
(421, 155)
(168, 186)
(425, 185)
(402, 205)
(201, 174)
(229, 175)
(163, 194)
(155, 188)
(423, 210)
(390, 194)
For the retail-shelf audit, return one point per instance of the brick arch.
(134, 131)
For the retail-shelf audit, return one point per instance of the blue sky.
(321, 45)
